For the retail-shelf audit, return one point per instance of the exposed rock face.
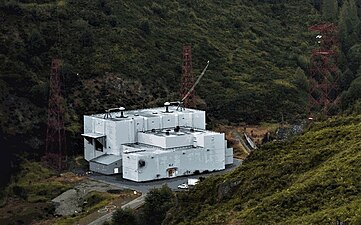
(68, 203)
(71, 201)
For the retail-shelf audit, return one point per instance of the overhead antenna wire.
(180, 103)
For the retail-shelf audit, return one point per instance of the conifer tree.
(353, 17)
(330, 10)
(348, 24)
(342, 25)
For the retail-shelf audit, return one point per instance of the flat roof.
(173, 132)
(93, 135)
(106, 159)
(144, 149)
(150, 112)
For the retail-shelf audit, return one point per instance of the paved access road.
(145, 187)
(136, 203)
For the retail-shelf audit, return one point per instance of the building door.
(171, 172)
(116, 170)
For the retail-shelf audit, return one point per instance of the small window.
(98, 146)
(90, 140)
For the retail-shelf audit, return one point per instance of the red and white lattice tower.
(55, 135)
(323, 80)
(187, 77)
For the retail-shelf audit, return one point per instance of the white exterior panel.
(169, 120)
(99, 125)
(185, 120)
(199, 120)
(152, 144)
(160, 166)
(152, 123)
(111, 134)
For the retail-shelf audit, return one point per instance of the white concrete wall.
(214, 156)
(199, 138)
(88, 124)
(152, 123)
(125, 132)
(89, 151)
(229, 156)
(138, 124)
(130, 167)
(129, 149)
(173, 141)
(151, 139)
(169, 120)
(186, 162)
(92, 125)
(185, 120)
(111, 138)
(214, 140)
(88, 148)
(105, 169)
(170, 141)
(199, 119)
(99, 125)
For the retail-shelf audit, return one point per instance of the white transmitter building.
(150, 144)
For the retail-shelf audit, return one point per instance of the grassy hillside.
(312, 179)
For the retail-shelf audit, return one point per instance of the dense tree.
(354, 57)
(352, 97)
(348, 24)
(157, 203)
(330, 10)
(124, 217)
(342, 24)
(300, 79)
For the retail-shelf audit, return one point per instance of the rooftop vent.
(109, 115)
(167, 104)
(141, 163)
(122, 109)
(176, 129)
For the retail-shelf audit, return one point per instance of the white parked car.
(183, 186)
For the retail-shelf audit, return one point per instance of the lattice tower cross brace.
(55, 135)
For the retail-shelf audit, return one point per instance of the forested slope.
(129, 53)
(311, 179)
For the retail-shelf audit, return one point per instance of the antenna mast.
(55, 135)
(324, 79)
(187, 77)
